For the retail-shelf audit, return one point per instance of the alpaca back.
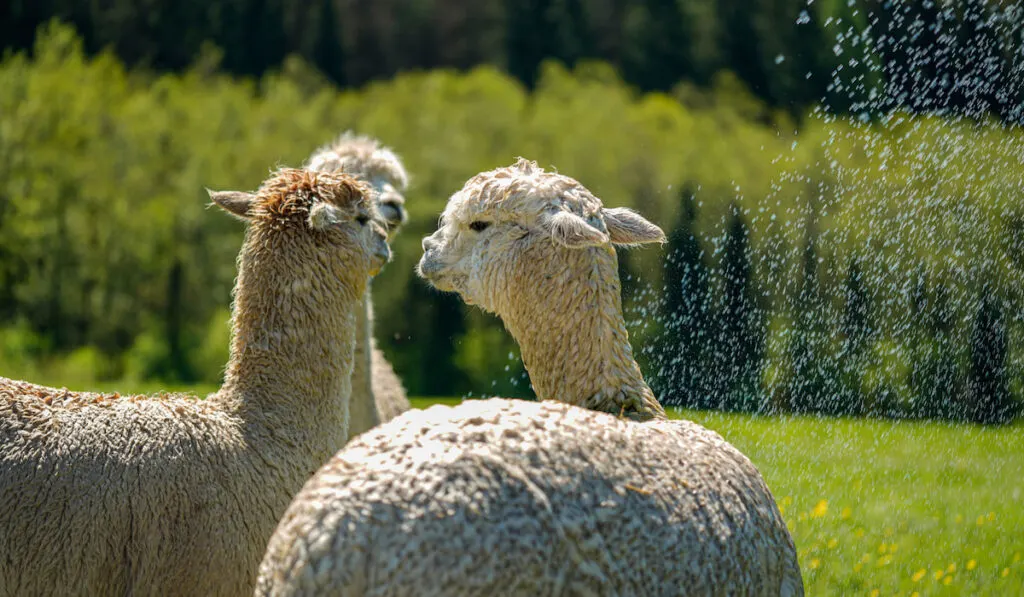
(156, 496)
(507, 497)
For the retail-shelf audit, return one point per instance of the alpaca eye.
(362, 220)
(479, 226)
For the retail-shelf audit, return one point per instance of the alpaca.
(506, 497)
(377, 392)
(102, 494)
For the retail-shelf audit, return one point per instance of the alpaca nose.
(392, 206)
(393, 212)
(428, 243)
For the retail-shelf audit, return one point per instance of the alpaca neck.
(292, 349)
(568, 323)
(363, 413)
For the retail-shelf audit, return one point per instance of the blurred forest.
(785, 51)
(840, 240)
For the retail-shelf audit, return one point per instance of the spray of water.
(881, 274)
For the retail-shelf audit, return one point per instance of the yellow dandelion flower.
(820, 509)
(971, 564)
(815, 563)
(919, 575)
(859, 533)
(882, 548)
(1005, 572)
(892, 547)
(846, 513)
(959, 518)
(938, 574)
(858, 567)
(947, 580)
(874, 592)
(865, 558)
(991, 516)
(951, 568)
(1016, 556)
(833, 542)
(884, 560)
(981, 520)
(915, 594)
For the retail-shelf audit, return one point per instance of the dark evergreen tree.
(658, 45)
(981, 80)
(741, 41)
(739, 346)
(327, 51)
(847, 68)
(857, 332)
(940, 380)
(856, 325)
(811, 388)
(679, 372)
(989, 395)
(530, 37)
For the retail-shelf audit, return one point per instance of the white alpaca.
(102, 494)
(505, 497)
(377, 392)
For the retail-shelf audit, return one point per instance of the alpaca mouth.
(437, 274)
(380, 258)
(430, 269)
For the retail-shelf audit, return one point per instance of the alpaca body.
(509, 498)
(117, 527)
(104, 494)
(377, 392)
(388, 391)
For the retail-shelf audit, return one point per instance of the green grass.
(897, 507)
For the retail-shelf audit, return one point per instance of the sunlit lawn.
(897, 508)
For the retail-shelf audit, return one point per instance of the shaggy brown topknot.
(289, 194)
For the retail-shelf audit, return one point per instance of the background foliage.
(816, 263)
(785, 51)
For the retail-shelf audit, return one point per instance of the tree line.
(965, 57)
(842, 266)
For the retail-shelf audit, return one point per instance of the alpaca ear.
(570, 230)
(626, 227)
(324, 215)
(236, 203)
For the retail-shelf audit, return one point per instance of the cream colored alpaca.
(509, 498)
(377, 392)
(163, 495)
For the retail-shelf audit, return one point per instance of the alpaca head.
(313, 223)
(366, 159)
(520, 226)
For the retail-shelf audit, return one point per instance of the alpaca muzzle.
(380, 257)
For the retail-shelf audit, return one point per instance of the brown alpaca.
(377, 392)
(171, 495)
(507, 497)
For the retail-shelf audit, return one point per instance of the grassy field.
(887, 508)
(877, 507)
